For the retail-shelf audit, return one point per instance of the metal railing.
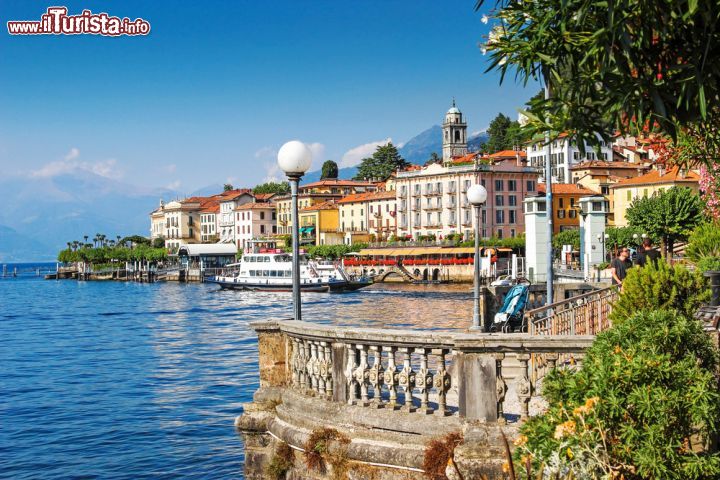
(586, 314)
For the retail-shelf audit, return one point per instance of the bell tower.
(454, 130)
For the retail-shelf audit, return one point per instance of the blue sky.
(213, 91)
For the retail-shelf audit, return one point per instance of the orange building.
(566, 197)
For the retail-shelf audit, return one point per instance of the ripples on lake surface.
(126, 380)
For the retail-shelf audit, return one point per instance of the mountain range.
(40, 214)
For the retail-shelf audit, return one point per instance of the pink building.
(254, 221)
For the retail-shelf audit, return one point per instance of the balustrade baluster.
(327, 370)
(422, 379)
(500, 386)
(313, 380)
(375, 376)
(302, 364)
(295, 374)
(406, 379)
(390, 378)
(361, 375)
(352, 382)
(523, 385)
(318, 367)
(441, 382)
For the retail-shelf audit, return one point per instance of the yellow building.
(600, 176)
(646, 185)
(313, 194)
(319, 224)
(566, 202)
(368, 216)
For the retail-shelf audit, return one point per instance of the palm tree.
(96, 240)
(69, 245)
(102, 240)
(85, 237)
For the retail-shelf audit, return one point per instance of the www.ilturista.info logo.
(57, 22)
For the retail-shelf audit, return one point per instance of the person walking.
(618, 267)
(647, 253)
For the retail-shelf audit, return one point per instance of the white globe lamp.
(476, 194)
(294, 158)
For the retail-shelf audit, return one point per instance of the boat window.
(266, 273)
(273, 273)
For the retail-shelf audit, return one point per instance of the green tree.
(503, 134)
(329, 170)
(434, 158)
(136, 239)
(384, 162)
(158, 242)
(643, 405)
(281, 188)
(567, 237)
(625, 65)
(670, 215)
(227, 187)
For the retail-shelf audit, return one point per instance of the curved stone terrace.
(392, 390)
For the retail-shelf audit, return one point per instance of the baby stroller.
(511, 316)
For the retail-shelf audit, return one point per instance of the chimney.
(661, 170)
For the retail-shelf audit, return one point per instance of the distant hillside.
(41, 214)
(15, 247)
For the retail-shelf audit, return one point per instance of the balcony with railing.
(434, 207)
(433, 192)
(417, 193)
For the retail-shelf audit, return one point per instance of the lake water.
(127, 380)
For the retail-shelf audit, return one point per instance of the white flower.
(484, 19)
(483, 50)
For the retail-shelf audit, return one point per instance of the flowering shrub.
(643, 405)
(710, 185)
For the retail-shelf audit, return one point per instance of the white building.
(228, 202)
(563, 155)
(254, 221)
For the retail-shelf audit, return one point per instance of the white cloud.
(173, 185)
(318, 154)
(171, 168)
(268, 156)
(71, 164)
(355, 155)
(72, 154)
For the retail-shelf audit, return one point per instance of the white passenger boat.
(271, 270)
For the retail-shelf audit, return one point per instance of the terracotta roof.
(470, 157)
(211, 209)
(326, 205)
(507, 153)
(567, 189)
(195, 200)
(604, 164)
(256, 206)
(653, 177)
(365, 197)
(264, 197)
(233, 194)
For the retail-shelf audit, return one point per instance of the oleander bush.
(659, 286)
(644, 405)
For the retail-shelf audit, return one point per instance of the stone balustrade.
(469, 375)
